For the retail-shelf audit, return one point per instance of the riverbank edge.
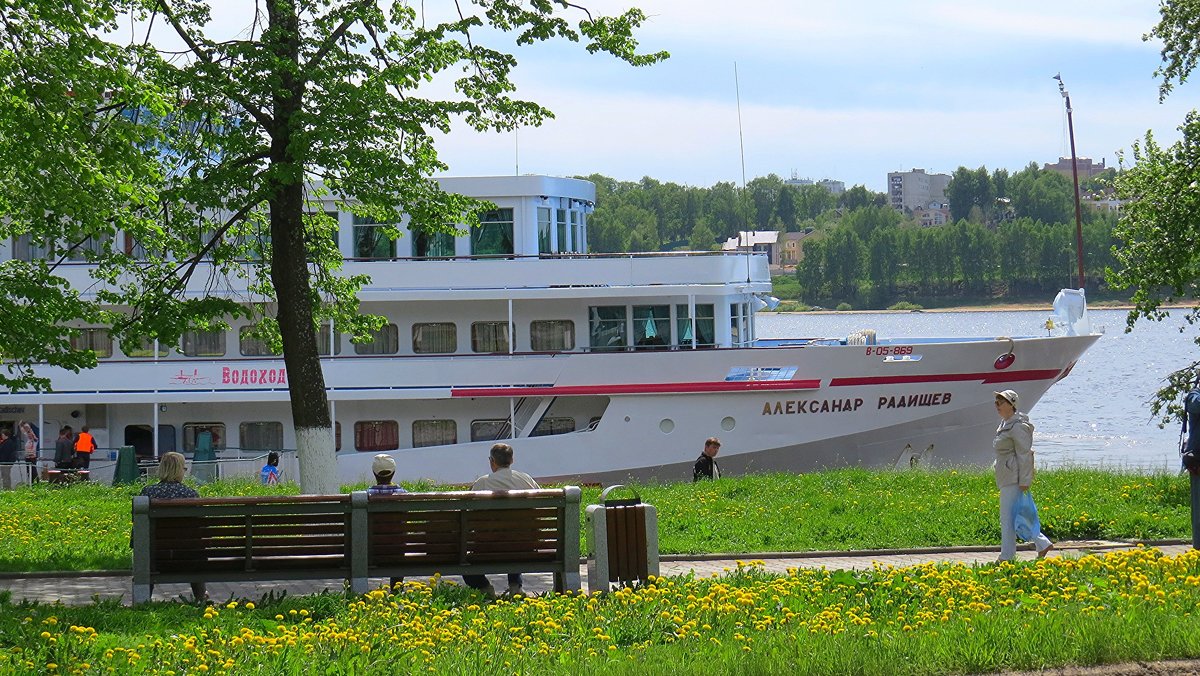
(1088, 545)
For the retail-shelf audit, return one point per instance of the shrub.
(842, 307)
(905, 305)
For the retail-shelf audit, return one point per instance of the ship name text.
(237, 376)
(850, 405)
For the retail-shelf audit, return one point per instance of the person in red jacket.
(85, 443)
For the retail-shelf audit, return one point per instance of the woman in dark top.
(170, 486)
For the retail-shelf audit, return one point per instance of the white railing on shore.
(230, 464)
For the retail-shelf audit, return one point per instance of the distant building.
(934, 213)
(1087, 168)
(791, 248)
(782, 249)
(834, 187)
(911, 190)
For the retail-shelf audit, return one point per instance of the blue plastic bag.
(1025, 517)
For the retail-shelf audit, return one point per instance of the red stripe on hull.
(987, 377)
(638, 388)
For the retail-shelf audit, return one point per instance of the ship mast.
(1074, 180)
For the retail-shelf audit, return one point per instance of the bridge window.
(703, 325)
(606, 327)
(252, 346)
(494, 236)
(371, 239)
(651, 326)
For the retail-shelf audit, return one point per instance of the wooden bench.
(355, 537)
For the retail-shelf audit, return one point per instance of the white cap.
(383, 464)
(1009, 396)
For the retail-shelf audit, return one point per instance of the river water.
(1098, 416)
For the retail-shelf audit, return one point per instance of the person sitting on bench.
(170, 486)
(502, 478)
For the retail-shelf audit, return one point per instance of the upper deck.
(532, 244)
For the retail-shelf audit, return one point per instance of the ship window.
(323, 341)
(260, 436)
(550, 335)
(25, 248)
(564, 234)
(489, 337)
(371, 239)
(250, 346)
(337, 436)
(96, 340)
(439, 338)
(432, 244)
(434, 432)
(193, 433)
(494, 236)
(204, 343)
(606, 327)
(489, 430)
(144, 348)
(384, 341)
(703, 326)
(376, 435)
(651, 326)
(312, 221)
(544, 225)
(549, 426)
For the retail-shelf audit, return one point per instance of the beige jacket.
(504, 479)
(1014, 451)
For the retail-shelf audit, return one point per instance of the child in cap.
(383, 466)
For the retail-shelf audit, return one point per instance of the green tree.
(785, 208)
(205, 159)
(859, 197)
(763, 193)
(967, 189)
(1042, 195)
(810, 271)
(702, 239)
(844, 263)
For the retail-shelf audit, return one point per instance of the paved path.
(79, 590)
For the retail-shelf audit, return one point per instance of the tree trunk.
(289, 265)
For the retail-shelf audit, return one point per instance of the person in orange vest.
(85, 443)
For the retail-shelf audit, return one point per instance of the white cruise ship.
(598, 367)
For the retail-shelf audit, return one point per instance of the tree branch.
(330, 42)
(260, 115)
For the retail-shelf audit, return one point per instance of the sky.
(840, 90)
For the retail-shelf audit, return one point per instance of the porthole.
(728, 423)
(667, 425)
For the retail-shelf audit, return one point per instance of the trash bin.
(204, 459)
(622, 541)
(126, 471)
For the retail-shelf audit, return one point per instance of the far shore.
(998, 307)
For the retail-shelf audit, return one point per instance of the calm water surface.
(1099, 415)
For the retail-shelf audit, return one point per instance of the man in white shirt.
(502, 478)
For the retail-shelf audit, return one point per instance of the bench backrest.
(461, 528)
(248, 534)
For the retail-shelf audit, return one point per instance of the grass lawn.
(86, 526)
(1124, 606)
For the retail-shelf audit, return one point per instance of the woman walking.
(1014, 471)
